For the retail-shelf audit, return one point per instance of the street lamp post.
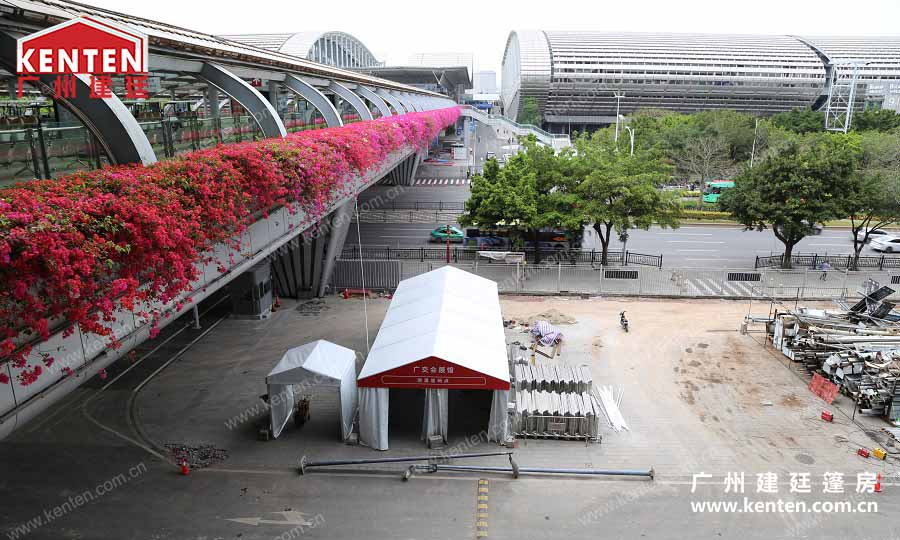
(631, 132)
(619, 97)
(753, 150)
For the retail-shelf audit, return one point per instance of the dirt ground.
(699, 396)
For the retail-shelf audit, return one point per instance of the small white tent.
(320, 363)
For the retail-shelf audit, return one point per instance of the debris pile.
(197, 457)
(856, 347)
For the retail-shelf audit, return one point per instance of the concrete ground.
(699, 398)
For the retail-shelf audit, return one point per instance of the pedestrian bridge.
(215, 75)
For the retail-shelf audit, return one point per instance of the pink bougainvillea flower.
(75, 249)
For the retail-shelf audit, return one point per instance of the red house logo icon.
(88, 49)
(83, 46)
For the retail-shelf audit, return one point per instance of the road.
(692, 246)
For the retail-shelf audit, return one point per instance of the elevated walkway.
(557, 142)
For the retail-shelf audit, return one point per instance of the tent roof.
(447, 314)
(319, 357)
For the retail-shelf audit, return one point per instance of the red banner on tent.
(433, 373)
(821, 387)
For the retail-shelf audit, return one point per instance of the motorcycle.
(623, 322)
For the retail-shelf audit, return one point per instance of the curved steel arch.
(405, 101)
(108, 119)
(417, 101)
(249, 98)
(375, 99)
(347, 95)
(318, 100)
(393, 101)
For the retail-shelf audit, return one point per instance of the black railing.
(835, 261)
(463, 254)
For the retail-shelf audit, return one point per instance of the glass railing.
(46, 152)
(50, 150)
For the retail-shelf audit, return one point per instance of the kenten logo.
(87, 49)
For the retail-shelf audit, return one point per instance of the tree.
(800, 121)
(531, 112)
(874, 199)
(616, 191)
(876, 120)
(526, 195)
(803, 185)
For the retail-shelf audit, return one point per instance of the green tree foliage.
(875, 120)
(873, 201)
(531, 112)
(807, 183)
(800, 121)
(529, 193)
(617, 192)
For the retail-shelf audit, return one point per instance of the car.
(873, 234)
(490, 155)
(442, 233)
(886, 243)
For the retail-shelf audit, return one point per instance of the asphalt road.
(721, 246)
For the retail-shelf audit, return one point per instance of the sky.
(395, 29)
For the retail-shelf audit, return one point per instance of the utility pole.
(753, 149)
(619, 96)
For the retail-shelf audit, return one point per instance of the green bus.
(714, 189)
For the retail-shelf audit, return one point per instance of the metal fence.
(805, 284)
(814, 260)
(464, 254)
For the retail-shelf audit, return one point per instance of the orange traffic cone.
(184, 468)
(878, 483)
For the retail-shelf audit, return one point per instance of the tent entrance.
(405, 411)
(470, 412)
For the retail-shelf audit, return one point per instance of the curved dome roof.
(337, 49)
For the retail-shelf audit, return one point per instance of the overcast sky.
(395, 29)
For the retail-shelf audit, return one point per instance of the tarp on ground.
(316, 364)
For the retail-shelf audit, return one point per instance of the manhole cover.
(805, 459)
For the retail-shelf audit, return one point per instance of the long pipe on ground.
(304, 464)
(515, 470)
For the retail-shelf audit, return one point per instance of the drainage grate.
(620, 274)
(895, 280)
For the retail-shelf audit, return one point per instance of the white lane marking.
(696, 250)
(716, 259)
(291, 517)
(837, 245)
(692, 242)
(684, 234)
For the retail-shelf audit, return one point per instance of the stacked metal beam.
(853, 348)
(552, 378)
(566, 415)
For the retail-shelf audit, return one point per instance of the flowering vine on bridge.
(78, 247)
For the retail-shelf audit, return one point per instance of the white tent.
(320, 363)
(443, 330)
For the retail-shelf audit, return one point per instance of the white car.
(886, 243)
(874, 234)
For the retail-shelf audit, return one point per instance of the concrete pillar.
(340, 225)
